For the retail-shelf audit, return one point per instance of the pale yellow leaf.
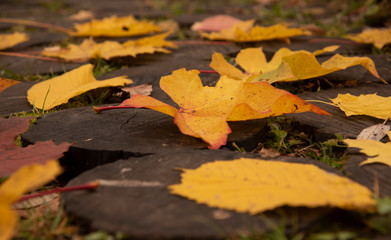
(378, 37)
(10, 40)
(376, 151)
(374, 132)
(58, 90)
(254, 186)
(23, 180)
(369, 104)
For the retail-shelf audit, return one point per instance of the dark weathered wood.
(325, 127)
(14, 99)
(151, 212)
(114, 134)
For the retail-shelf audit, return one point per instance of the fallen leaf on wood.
(81, 15)
(6, 83)
(58, 90)
(377, 37)
(286, 65)
(10, 40)
(13, 157)
(109, 49)
(365, 104)
(116, 27)
(245, 31)
(204, 111)
(143, 89)
(254, 186)
(375, 132)
(215, 23)
(376, 151)
(23, 180)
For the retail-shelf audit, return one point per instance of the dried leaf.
(204, 111)
(369, 104)
(116, 27)
(58, 90)
(375, 132)
(245, 31)
(81, 15)
(13, 157)
(254, 186)
(215, 23)
(10, 40)
(377, 152)
(23, 180)
(143, 89)
(6, 83)
(109, 49)
(377, 37)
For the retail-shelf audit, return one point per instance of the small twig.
(88, 186)
(320, 101)
(37, 24)
(24, 55)
(386, 121)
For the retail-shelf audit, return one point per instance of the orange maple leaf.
(204, 111)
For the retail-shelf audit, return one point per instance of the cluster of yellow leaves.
(254, 186)
(23, 180)
(286, 65)
(116, 27)
(58, 90)
(204, 111)
(109, 49)
(377, 37)
(10, 40)
(245, 31)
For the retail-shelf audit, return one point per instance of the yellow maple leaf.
(109, 49)
(204, 111)
(377, 151)
(287, 65)
(116, 27)
(254, 186)
(365, 104)
(58, 90)
(23, 180)
(10, 40)
(245, 31)
(377, 37)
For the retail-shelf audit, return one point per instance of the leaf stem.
(319, 101)
(24, 55)
(100, 109)
(88, 186)
(37, 24)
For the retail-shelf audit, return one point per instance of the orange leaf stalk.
(37, 24)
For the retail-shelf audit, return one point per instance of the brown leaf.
(12, 157)
(6, 83)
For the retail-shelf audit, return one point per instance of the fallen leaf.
(254, 186)
(368, 104)
(377, 152)
(269, 153)
(81, 15)
(215, 23)
(204, 111)
(23, 180)
(245, 31)
(377, 37)
(287, 65)
(108, 49)
(116, 27)
(374, 132)
(13, 157)
(143, 89)
(10, 40)
(58, 90)
(6, 83)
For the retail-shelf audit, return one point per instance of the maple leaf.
(365, 104)
(10, 40)
(254, 186)
(377, 151)
(109, 49)
(377, 37)
(116, 27)
(23, 180)
(204, 111)
(286, 65)
(12, 157)
(58, 90)
(6, 83)
(245, 31)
